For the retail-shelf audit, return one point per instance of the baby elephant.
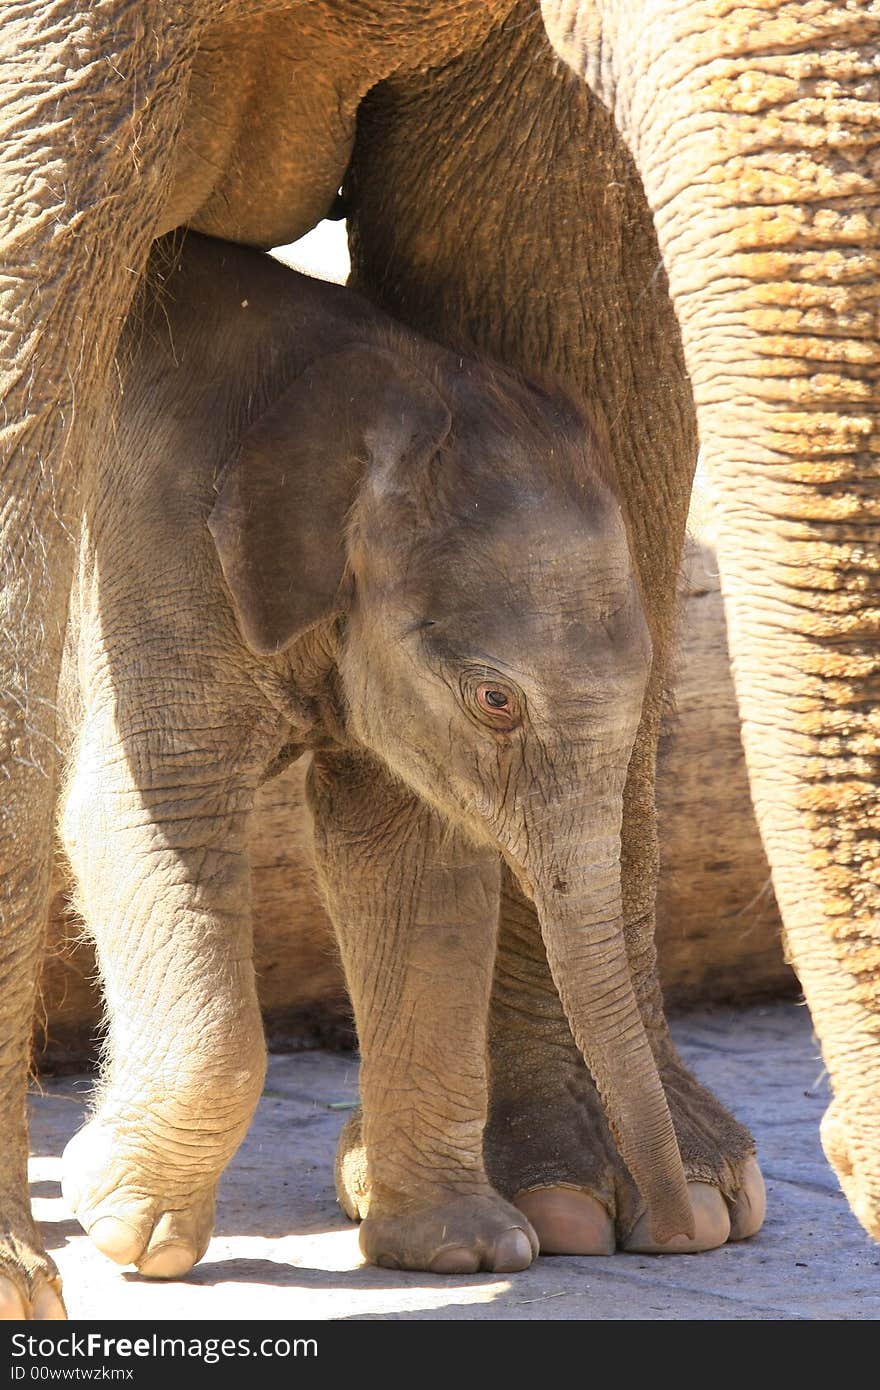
(316, 531)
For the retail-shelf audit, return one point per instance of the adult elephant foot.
(461, 1235)
(548, 1147)
(547, 1144)
(136, 1203)
(30, 1286)
(718, 1152)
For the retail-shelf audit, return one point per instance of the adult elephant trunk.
(581, 916)
(755, 130)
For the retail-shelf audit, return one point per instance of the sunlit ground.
(283, 1249)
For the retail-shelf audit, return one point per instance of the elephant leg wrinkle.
(547, 1129)
(329, 533)
(424, 1201)
(688, 239)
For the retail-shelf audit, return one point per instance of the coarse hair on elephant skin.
(316, 530)
(676, 218)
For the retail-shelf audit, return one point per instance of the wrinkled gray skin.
(669, 206)
(422, 574)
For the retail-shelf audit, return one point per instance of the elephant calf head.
(460, 528)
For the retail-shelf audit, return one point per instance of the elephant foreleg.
(155, 826)
(415, 908)
(768, 233)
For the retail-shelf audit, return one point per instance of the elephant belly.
(269, 125)
(266, 137)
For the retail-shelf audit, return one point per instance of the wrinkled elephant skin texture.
(346, 539)
(679, 213)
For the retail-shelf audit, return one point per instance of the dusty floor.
(283, 1250)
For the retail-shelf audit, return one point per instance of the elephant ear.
(279, 520)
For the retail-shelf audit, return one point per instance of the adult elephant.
(494, 196)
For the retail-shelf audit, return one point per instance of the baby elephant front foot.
(455, 1234)
(459, 1235)
(132, 1206)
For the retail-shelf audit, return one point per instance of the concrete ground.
(282, 1249)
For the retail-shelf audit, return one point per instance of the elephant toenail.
(116, 1239)
(12, 1301)
(568, 1221)
(456, 1259)
(749, 1207)
(711, 1222)
(170, 1261)
(513, 1252)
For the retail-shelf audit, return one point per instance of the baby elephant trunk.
(583, 936)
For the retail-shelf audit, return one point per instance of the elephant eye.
(491, 699)
(493, 703)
